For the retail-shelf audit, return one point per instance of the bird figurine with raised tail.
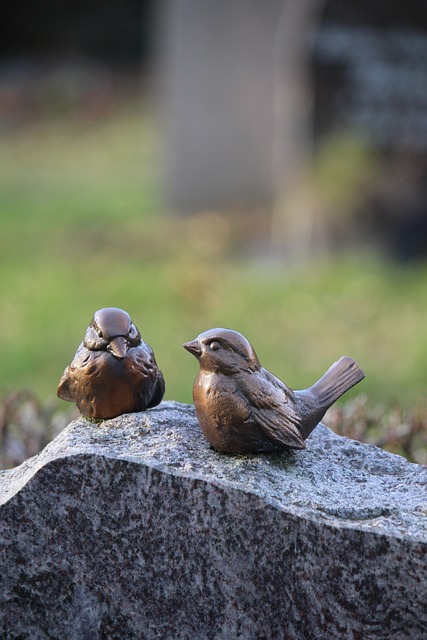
(243, 408)
(113, 371)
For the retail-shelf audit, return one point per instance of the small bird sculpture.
(243, 408)
(113, 371)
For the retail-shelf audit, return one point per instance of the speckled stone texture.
(135, 528)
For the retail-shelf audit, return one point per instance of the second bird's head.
(223, 350)
(112, 330)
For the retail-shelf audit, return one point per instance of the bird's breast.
(105, 386)
(204, 383)
(207, 389)
(220, 409)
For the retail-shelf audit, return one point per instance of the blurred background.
(254, 165)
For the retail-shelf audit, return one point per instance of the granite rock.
(136, 529)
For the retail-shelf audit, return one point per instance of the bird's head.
(223, 350)
(112, 330)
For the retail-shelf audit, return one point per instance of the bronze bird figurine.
(243, 408)
(113, 371)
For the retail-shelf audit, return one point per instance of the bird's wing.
(144, 359)
(64, 387)
(145, 362)
(159, 391)
(272, 407)
(81, 357)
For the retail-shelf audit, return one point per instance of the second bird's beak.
(118, 347)
(193, 347)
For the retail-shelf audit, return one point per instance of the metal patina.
(243, 408)
(113, 371)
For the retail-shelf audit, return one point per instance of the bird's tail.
(343, 375)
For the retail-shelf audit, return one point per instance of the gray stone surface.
(135, 528)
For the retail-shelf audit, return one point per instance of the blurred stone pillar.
(218, 91)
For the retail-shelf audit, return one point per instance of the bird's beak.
(193, 347)
(118, 347)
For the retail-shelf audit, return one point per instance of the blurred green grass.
(83, 226)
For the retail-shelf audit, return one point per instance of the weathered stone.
(135, 528)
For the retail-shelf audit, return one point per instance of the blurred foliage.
(398, 429)
(27, 425)
(83, 226)
(343, 167)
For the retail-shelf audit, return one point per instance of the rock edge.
(135, 528)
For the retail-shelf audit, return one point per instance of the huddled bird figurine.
(113, 371)
(243, 408)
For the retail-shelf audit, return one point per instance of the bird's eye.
(134, 335)
(214, 346)
(100, 333)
